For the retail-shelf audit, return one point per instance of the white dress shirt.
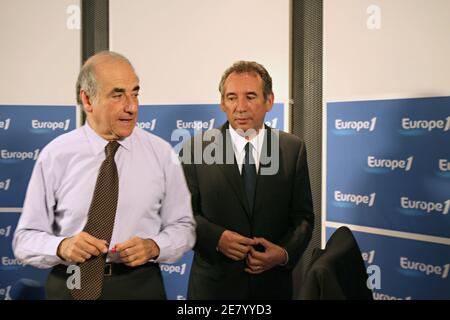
(154, 201)
(239, 143)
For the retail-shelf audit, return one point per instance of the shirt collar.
(98, 144)
(239, 141)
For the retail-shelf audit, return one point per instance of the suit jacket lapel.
(231, 171)
(264, 182)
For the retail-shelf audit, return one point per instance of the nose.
(241, 105)
(131, 104)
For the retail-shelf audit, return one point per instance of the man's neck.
(249, 134)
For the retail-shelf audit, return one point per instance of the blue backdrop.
(24, 131)
(388, 173)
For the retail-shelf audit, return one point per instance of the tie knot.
(111, 149)
(248, 154)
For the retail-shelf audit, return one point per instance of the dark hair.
(248, 67)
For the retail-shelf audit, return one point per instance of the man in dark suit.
(250, 195)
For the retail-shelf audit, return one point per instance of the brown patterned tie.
(100, 224)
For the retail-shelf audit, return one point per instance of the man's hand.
(137, 251)
(81, 247)
(235, 246)
(259, 262)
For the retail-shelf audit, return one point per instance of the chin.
(124, 133)
(243, 127)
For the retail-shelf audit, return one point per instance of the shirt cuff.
(164, 248)
(287, 258)
(52, 246)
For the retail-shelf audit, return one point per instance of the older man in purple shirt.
(153, 221)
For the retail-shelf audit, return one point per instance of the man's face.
(113, 112)
(243, 101)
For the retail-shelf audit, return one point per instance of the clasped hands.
(237, 247)
(81, 247)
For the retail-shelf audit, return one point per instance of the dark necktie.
(102, 213)
(249, 175)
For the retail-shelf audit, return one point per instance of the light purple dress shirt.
(154, 201)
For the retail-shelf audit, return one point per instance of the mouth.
(242, 120)
(126, 121)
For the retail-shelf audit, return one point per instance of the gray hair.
(248, 67)
(86, 78)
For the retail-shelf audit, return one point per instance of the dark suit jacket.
(282, 214)
(338, 272)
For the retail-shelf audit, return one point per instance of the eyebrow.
(122, 90)
(246, 93)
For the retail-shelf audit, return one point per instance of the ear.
(222, 106)
(269, 102)
(87, 101)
